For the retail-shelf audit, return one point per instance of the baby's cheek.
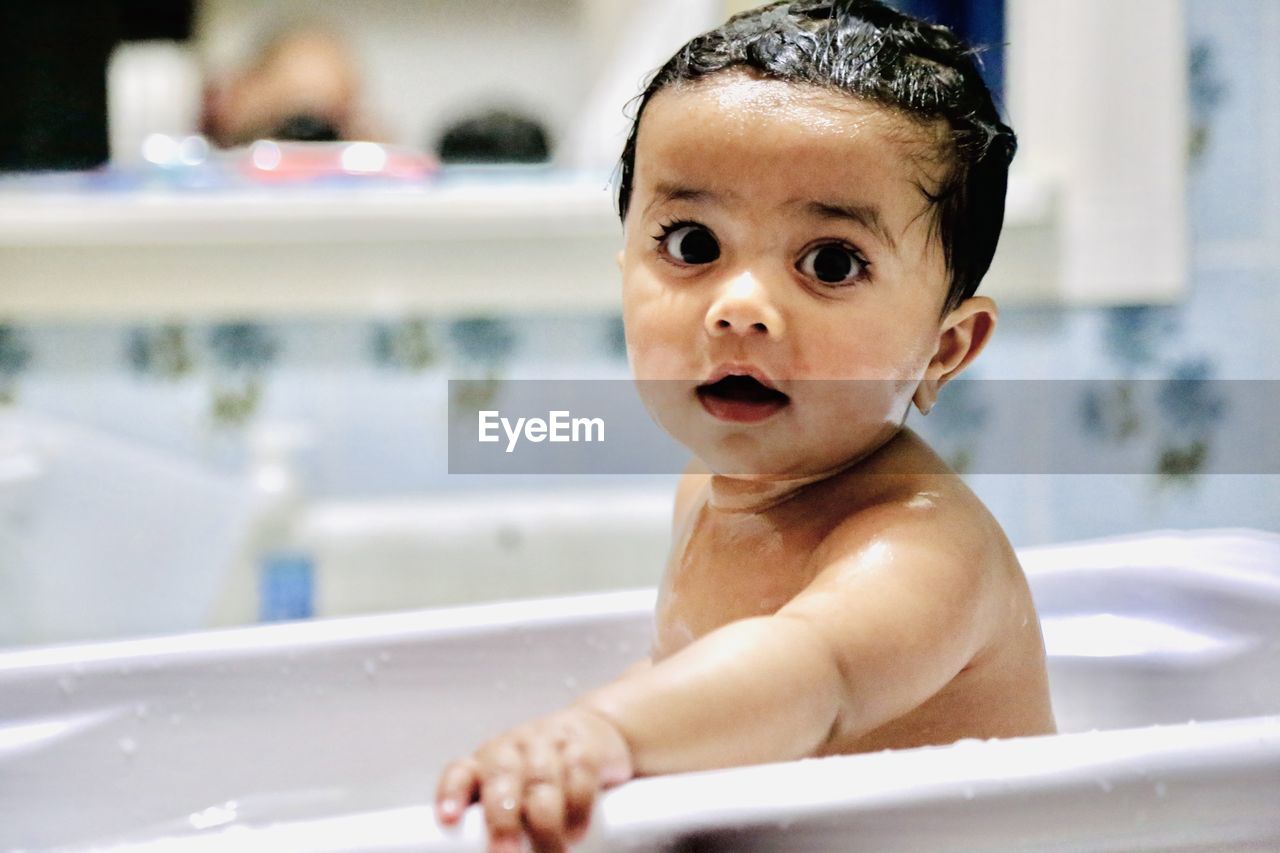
(868, 353)
(657, 348)
(655, 360)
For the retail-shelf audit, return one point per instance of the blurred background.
(244, 245)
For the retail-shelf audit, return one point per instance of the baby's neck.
(757, 494)
(734, 494)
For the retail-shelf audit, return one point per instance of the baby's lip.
(741, 394)
(735, 369)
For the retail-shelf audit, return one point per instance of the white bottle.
(154, 92)
(273, 578)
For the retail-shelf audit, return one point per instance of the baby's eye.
(689, 244)
(833, 264)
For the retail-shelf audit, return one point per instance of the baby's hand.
(540, 777)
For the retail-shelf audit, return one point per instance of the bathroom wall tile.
(1233, 187)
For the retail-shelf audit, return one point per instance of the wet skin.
(833, 587)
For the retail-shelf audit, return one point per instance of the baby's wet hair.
(868, 50)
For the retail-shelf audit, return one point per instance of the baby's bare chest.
(719, 573)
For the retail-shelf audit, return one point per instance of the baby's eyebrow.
(664, 192)
(868, 216)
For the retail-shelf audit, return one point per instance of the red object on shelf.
(271, 161)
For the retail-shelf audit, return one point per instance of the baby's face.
(779, 232)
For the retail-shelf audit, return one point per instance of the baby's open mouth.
(741, 399)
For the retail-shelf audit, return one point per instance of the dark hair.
(866, 49)
(494, 136)
(306, 127)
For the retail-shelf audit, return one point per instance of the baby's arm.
(756, 690)
(899, 605)
(888, 621)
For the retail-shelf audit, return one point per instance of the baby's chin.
(753, 457)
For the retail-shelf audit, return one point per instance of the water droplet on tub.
(370, 667)
(128, 746)
(1105, 785)
(968, 792)
(1161, 790)
(570, 682)
(140, 710)
(214, 816)
(67, 684)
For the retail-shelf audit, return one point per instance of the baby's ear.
(963, 334)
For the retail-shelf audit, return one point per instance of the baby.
(810, 196)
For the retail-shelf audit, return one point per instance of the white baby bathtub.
(328, 735)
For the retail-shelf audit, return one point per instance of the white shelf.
(316, 216)
(444, 250)
(311, 253)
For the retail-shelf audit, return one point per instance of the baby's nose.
(744, 308)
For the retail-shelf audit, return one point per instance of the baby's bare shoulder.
(923, 535)
(911, 503)
(906, 591)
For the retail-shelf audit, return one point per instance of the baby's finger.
(503, 791)
(580, 788)
(457, 788)
(581, 782)
(544, 817)
(503, 801)
(543, 795)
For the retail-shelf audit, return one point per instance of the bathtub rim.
(1038, 560)
(1163, 766)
